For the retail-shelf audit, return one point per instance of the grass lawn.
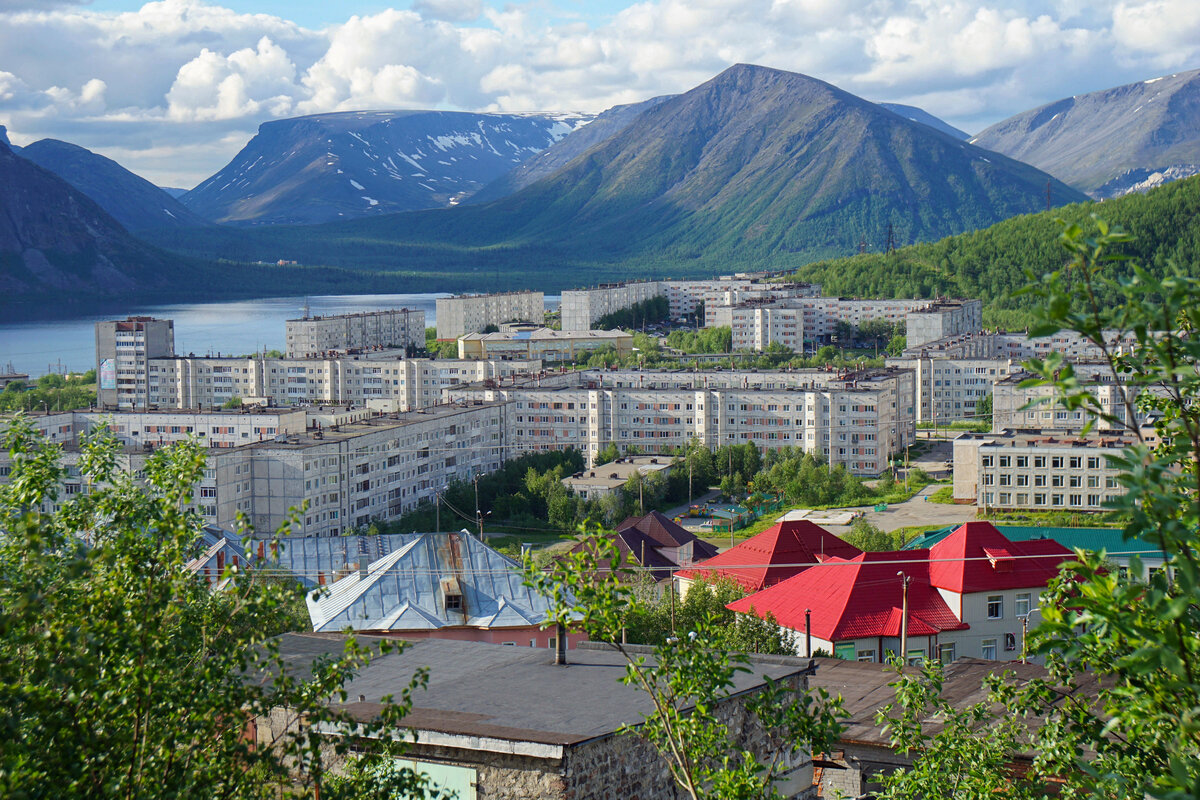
(943, 495)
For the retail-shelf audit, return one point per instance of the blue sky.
(174, 88)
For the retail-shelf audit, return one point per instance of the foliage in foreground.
(123, 675)
(1141, 736)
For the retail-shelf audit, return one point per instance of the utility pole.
(437, 509)
(904, 581)
(1047, 194)
(1024, 633)
(808, 633)
(891, 239)
(478, 513)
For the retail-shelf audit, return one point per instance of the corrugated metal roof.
(1094, 539)
(404, 590)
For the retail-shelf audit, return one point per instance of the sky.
(172, 89)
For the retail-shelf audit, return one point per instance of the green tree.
(121, 673)
(866, 536)
(983, 409)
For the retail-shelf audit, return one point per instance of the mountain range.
(1110, 142)
(133, 201)
(346, 165)
(925, 118)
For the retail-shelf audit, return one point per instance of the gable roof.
(979, 558)
(404, 590)
(650, 542)
(857, 598)
(776, 554)
(668, 533)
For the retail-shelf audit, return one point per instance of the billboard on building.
(108, 373)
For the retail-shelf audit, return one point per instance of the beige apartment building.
(1037, 470)
(1034, 407)
(857, 419)
(470, 313)
(312, 337)
(581, 308)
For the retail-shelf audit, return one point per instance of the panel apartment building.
(581, 308)
(805, 322)
(348, 465)
(1037, 470)
(857, 419)
(123, 352)
(312, 337)
(471, 313)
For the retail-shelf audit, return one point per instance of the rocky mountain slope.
(925, 118)
(56, 241)
(133, 201)
(354, 164)
(607, 124)
(4, 140)
(757, 166)
(1110, 142)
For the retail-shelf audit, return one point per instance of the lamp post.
(1025, 630)
(904, 581)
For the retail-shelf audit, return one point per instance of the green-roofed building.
(1111, 540)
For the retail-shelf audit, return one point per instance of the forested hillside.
(990, 264)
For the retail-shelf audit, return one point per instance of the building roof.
(856, 598)
(668, 533)
(1095, 539)
(776, 554)
(509, 693)
(313, 560)
(644, 540)
(978, 558)
(406, 590)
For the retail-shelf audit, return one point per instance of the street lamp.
(1025, 629)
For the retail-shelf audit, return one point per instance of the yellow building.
(542, 343)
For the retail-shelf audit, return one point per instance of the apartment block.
(469, 313)
(1017, 407)
(948, 388)
(1037, 470)
(383, 380)
(581, 308)
(541, 344)
(123, 352)
(311, 337)
(348, 465)
(857, 419)
(941, 319)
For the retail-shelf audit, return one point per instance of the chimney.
(560, 645)
(362, 569)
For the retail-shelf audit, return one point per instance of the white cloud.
(182, 75)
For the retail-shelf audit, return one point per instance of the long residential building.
(685, 298)
(582, 307)
(1037, 470)
(797, 323)
(1034, 407)
(542, 344)
(342, 467)
(470, 313)
(857, 419)
(386, 381)
(312, 337)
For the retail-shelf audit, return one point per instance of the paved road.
(916, 511)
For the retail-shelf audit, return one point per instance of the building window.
(1022, 604)
(946, 653)
(1010, 641)
(989, 649)
(995, 606)
(866, 655)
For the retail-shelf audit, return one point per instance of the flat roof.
(380, 312)
(505, 692)
(360, 427)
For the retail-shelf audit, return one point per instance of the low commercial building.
(312, 337)
(470, 313)
(508, 723)
(541, 344)
(604, 479)
(857, 419)
(581, 308)
(1037, 470)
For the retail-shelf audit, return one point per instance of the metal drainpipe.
(560, 645)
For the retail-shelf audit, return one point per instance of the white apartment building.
(386, 381)
(1034, 407)
(941, 319)
(468, 313)
(1015, 345)
(949, 388)
(348, 465)
(1037, 470)
(123, 352)
(581, 308)
(312, 337)
(855, 419)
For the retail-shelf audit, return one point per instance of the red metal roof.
(776, 554)
(979, 558)
(857, 598)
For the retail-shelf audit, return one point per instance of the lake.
(241, 326)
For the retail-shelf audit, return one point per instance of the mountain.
(1107, 143)
(55, 241)
(606, 125)
(133, 201)
(4, 140)
(925, 118)
(354, 164)
(174, 191)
